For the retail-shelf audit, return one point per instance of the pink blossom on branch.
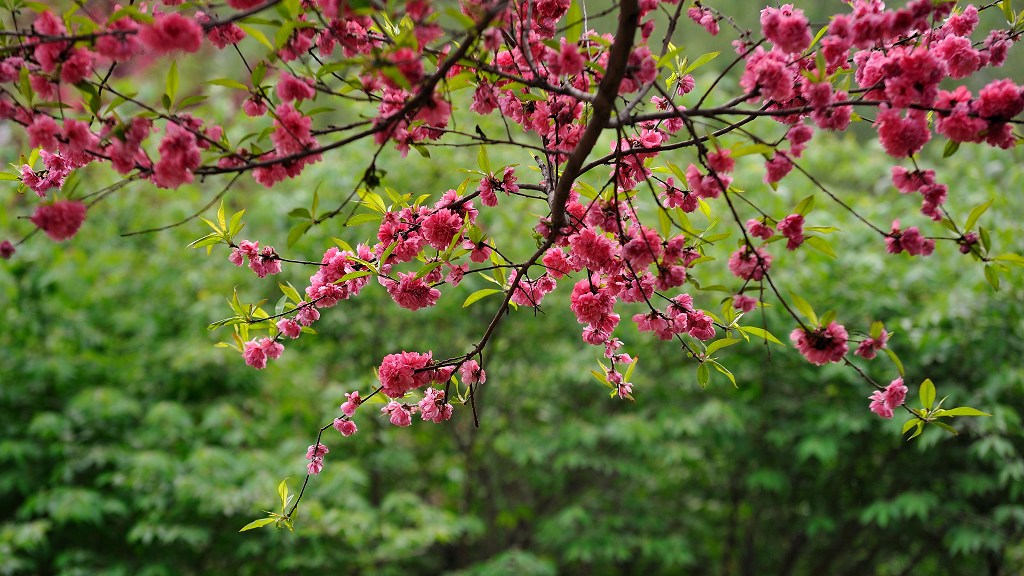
(823, 344)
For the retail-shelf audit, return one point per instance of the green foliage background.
(130, 445)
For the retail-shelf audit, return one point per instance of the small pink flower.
(170, 32)
(289, 328)
(60, 220)
(884, 402)
(744, 303)
(792, 227)
(869, 347)
(398, 414)
(433, 406)
(345, 426)
(352, 401)
(472, 373)
(6, 249)
(823, 344)
(759, 229)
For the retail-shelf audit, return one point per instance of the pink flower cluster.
(326, 288)
(257, 352)
(884, 402)
(315, 454)
(869, 347)
(680, 317)
(910, 241)
(262, 262)
(822, 345)
(61, 219)
(400, 373)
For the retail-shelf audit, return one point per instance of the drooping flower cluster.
(884, 402)
(822, 345)
(262, 262)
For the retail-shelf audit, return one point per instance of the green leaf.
(805, 206)
(947, 428)
(235, 226)
(895, 360)
(1011, 258)
(353, 276)
(962, 411)
(703, 375)
(483, 293)
(920, 428)
(297, 232)
(876, 328)
(1008, 11)
(819, 244)
(172, 81)
(482, 161)
(258, 524)
(908, 425)
(363, 218)
(761, 333)
(927, 394)
(574, 22)
(300, 213)
(228, 83)
(976, 213)
(727, 373)
(290, 292)
(700, 61)
(805, 308)
(992, 276)
(282, 491)
(950, 149)
(260, 37)
(719, 344)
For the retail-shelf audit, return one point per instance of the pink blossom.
(412, 293)
(352, 402)
(60, 220)
(119, 46)
(759, 229)
(750, 264)
(909, 240)
(76, 66)
(290, 88)
(884, 402)
(42, 133)
(777, 167)
(1000, 100)
(703, 16)
(6, 249)
(400, 373)
(744, 303)
(792, 227)
(823, 344)
(869, 347)
(472, 373)
(787, 28)
(257, 352)
(179, 156)
(289, 328)
(315, 454)
(433, 406)
(171, 32)
(902, 137)
(440, 228)
(307, 314)
(345, 426)
(700, 325)
(398, 414)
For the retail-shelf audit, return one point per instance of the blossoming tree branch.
(623, 154)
